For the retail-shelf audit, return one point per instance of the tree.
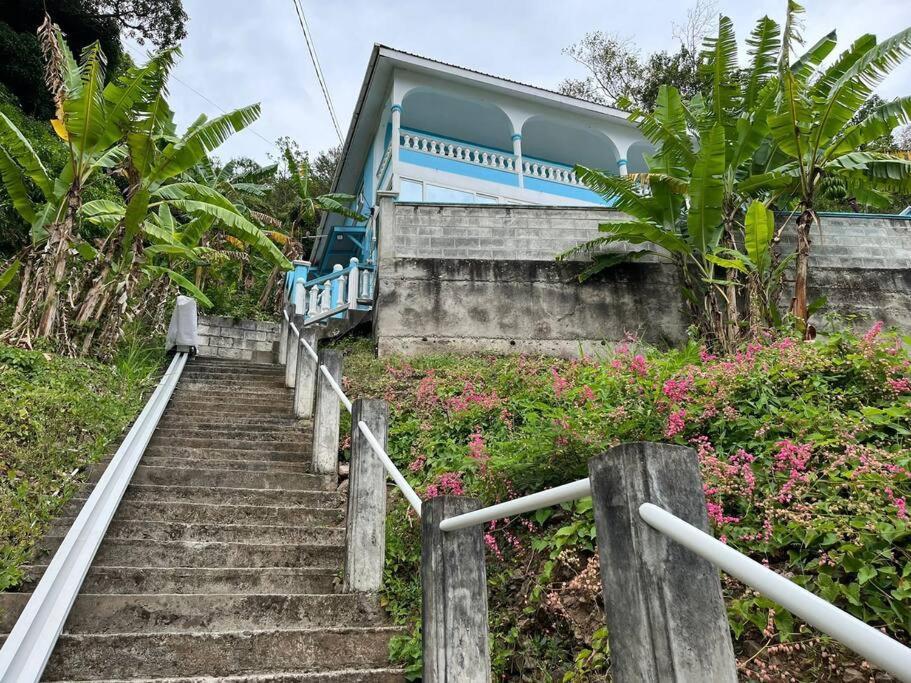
(126, 128)
(815, 139)
(617, 73)
(161, 22)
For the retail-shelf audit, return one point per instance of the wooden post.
(664, 610)
(454, 581)
(305, 379)
(366, 520)
(326, 417)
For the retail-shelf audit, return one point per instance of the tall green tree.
(817, 137)
(125, 128)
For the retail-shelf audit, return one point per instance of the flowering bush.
(804, 450)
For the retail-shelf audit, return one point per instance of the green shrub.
(57, 416)
(804, 454)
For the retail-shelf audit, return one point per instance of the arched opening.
(635, 157)
(547, 140)
(480, 123)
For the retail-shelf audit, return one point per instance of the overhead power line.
(311, 48)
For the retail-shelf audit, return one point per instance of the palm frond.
(14, 181)
(20, 149)
(619, 192)
(200, 140)
(704, 219)
(764, 48)
(84, 115)
(719, 65)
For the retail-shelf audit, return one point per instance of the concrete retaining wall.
(482, 277)
(252, 340)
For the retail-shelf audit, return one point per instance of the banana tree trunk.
(800, 304)
(57, 247)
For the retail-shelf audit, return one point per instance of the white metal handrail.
(30, 643)
(413, 499)
(865, 640)
(878, 648)
(555, 496)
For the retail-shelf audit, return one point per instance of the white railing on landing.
(344, 289)
(413, 499)
(873, 645)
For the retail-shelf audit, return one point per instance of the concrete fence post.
(664, 609)
(326, 415)
(306, 374)
(283, 337)
(366, 519)
(292, 346)
(454, 582)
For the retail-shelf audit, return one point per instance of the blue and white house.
(466, 182)
(435, 133)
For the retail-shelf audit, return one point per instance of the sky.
(242, 51)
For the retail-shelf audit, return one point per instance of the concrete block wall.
(473, 278)
(496, 232)
(251, 340)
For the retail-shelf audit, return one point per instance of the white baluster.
(325, 297)
(353, 285)
(312, 300)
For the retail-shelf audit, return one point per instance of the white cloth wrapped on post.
(182, 329)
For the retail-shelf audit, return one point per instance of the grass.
(58, 415)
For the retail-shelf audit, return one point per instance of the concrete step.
(214, 409)
(289, 446)
(227, 478)
(240, 396)
(271, 387)
(240, 432)
(162, 613)
(141, 553)
(203, 532)
(142, 493)
(264, 422)
(195, 580)
(218, 654)
(248, 464)
(384, 675)
(230, 362)
(199, 454)
(199, 513)
(274, 373)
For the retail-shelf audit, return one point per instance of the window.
(447, 195)
(411, 191)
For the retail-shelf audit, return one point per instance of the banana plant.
(816, 141)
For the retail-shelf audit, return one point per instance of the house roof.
(371, 99)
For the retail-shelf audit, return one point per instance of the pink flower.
(561, 384)
(678, 390)
(899, 386)
(676, 423)
(427, 391)
(469, 397)
(705, 356)
(476, 447)
(639, 365)
(901, 505)
(417, 464)
(587, 393)
(491, 542)
(448, 483)
(873, 332)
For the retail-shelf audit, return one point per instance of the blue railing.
(334, 295)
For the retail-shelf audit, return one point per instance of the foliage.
(617, 74)
(164, 214)
(805, 455)
(21, 63)
(57, 416)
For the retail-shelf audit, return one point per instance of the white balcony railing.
(500, 161)
(458, 151)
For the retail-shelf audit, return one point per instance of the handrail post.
(454, 582)
(326, 416)
(283, 334)
(366, 519)
(291, 352)
(664, 609)
(306, 372)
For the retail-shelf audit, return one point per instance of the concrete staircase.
(222, 560)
